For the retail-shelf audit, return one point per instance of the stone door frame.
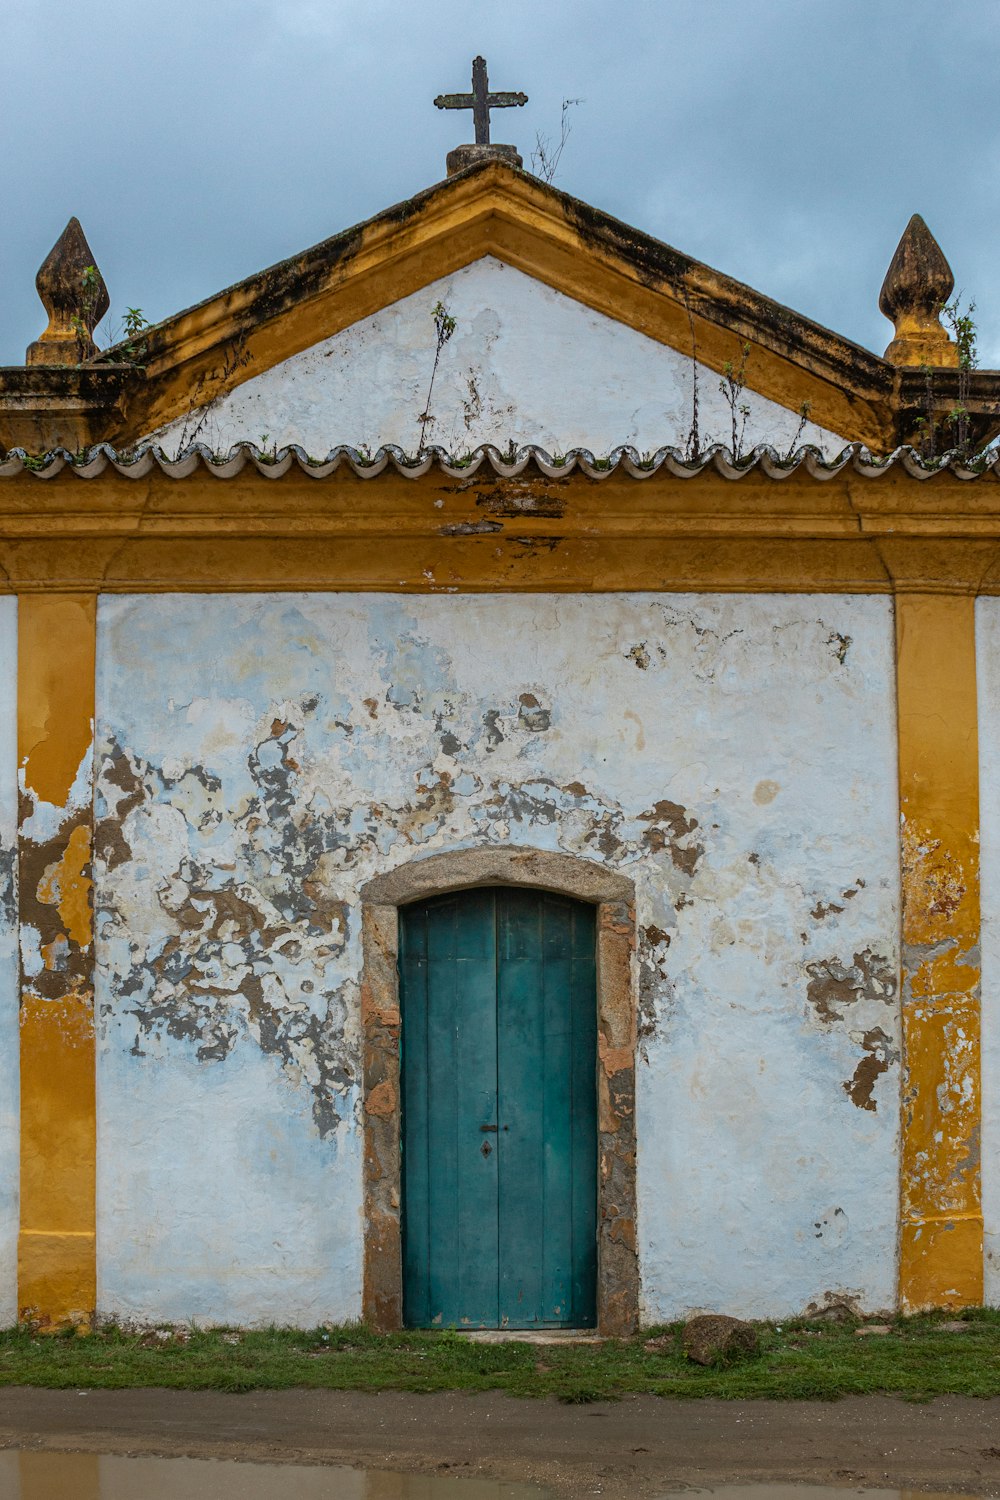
(614, 897)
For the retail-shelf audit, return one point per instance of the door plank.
(450, 1215)
(414, 1095)
(546, 1027)
(583, 1116)
(521, 1064)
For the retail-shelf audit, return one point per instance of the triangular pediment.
(571, 330)
(489, 354)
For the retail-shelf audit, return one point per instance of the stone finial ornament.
(75, 297)
(917, 285)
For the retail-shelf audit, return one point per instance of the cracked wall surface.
(260, 758)
(988, 684)
(525, 364)
(9, 978)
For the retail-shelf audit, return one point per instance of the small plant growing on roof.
(692, 442)
(805, 411)
(124, 338)
(732, 385)
(444, 327)
(962, 323)
(955, 427)
(133, 324)
(545, 157)
(83, 321)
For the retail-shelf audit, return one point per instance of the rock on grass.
(715, 1339)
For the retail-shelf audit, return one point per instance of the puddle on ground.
(807, 1492)
(105, 1476)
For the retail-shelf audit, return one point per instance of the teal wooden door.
(499, 1003)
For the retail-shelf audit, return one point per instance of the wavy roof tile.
(139, 462)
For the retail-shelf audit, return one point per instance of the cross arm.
(455, 101)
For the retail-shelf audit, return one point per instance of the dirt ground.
(638, 1447)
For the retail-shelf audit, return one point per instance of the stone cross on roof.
(480, 101)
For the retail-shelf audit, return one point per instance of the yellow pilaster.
(941, 1228)
(56, 1252)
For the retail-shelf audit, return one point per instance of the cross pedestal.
(471, 155)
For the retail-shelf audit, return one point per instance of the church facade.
(499, 790)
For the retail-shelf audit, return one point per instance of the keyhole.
(486, 1148)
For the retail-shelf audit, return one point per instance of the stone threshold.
(531, 1335)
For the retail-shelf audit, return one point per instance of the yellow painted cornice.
(847, 533)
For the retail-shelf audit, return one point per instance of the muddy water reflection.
(807, 1492)
(93, 1476)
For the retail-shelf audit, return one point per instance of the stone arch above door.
(614, 896)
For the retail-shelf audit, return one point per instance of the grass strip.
(918, 1358)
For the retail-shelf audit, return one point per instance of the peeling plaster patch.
(669, 829)
(765, 792)
(917, 959)
(226, 964)
(971, 1162)
(470, 528)
(9, 978)
(880, 1055)
(655, 990)
(938, 877)
(837, 991)
(66, 884)
(494, 734)
(532, 715)
(835, 984)
(524, 499)
(838, 1305)
(55, 892)
(839, 644)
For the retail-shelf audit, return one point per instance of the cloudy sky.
(785, 142)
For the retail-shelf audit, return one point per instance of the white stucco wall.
(261, 757)
(525, 364)
(9, 977)
(988, 686)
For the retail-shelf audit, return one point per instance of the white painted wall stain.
(988, 688)
(525, 364)
(261, 757)
(10, 1036)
